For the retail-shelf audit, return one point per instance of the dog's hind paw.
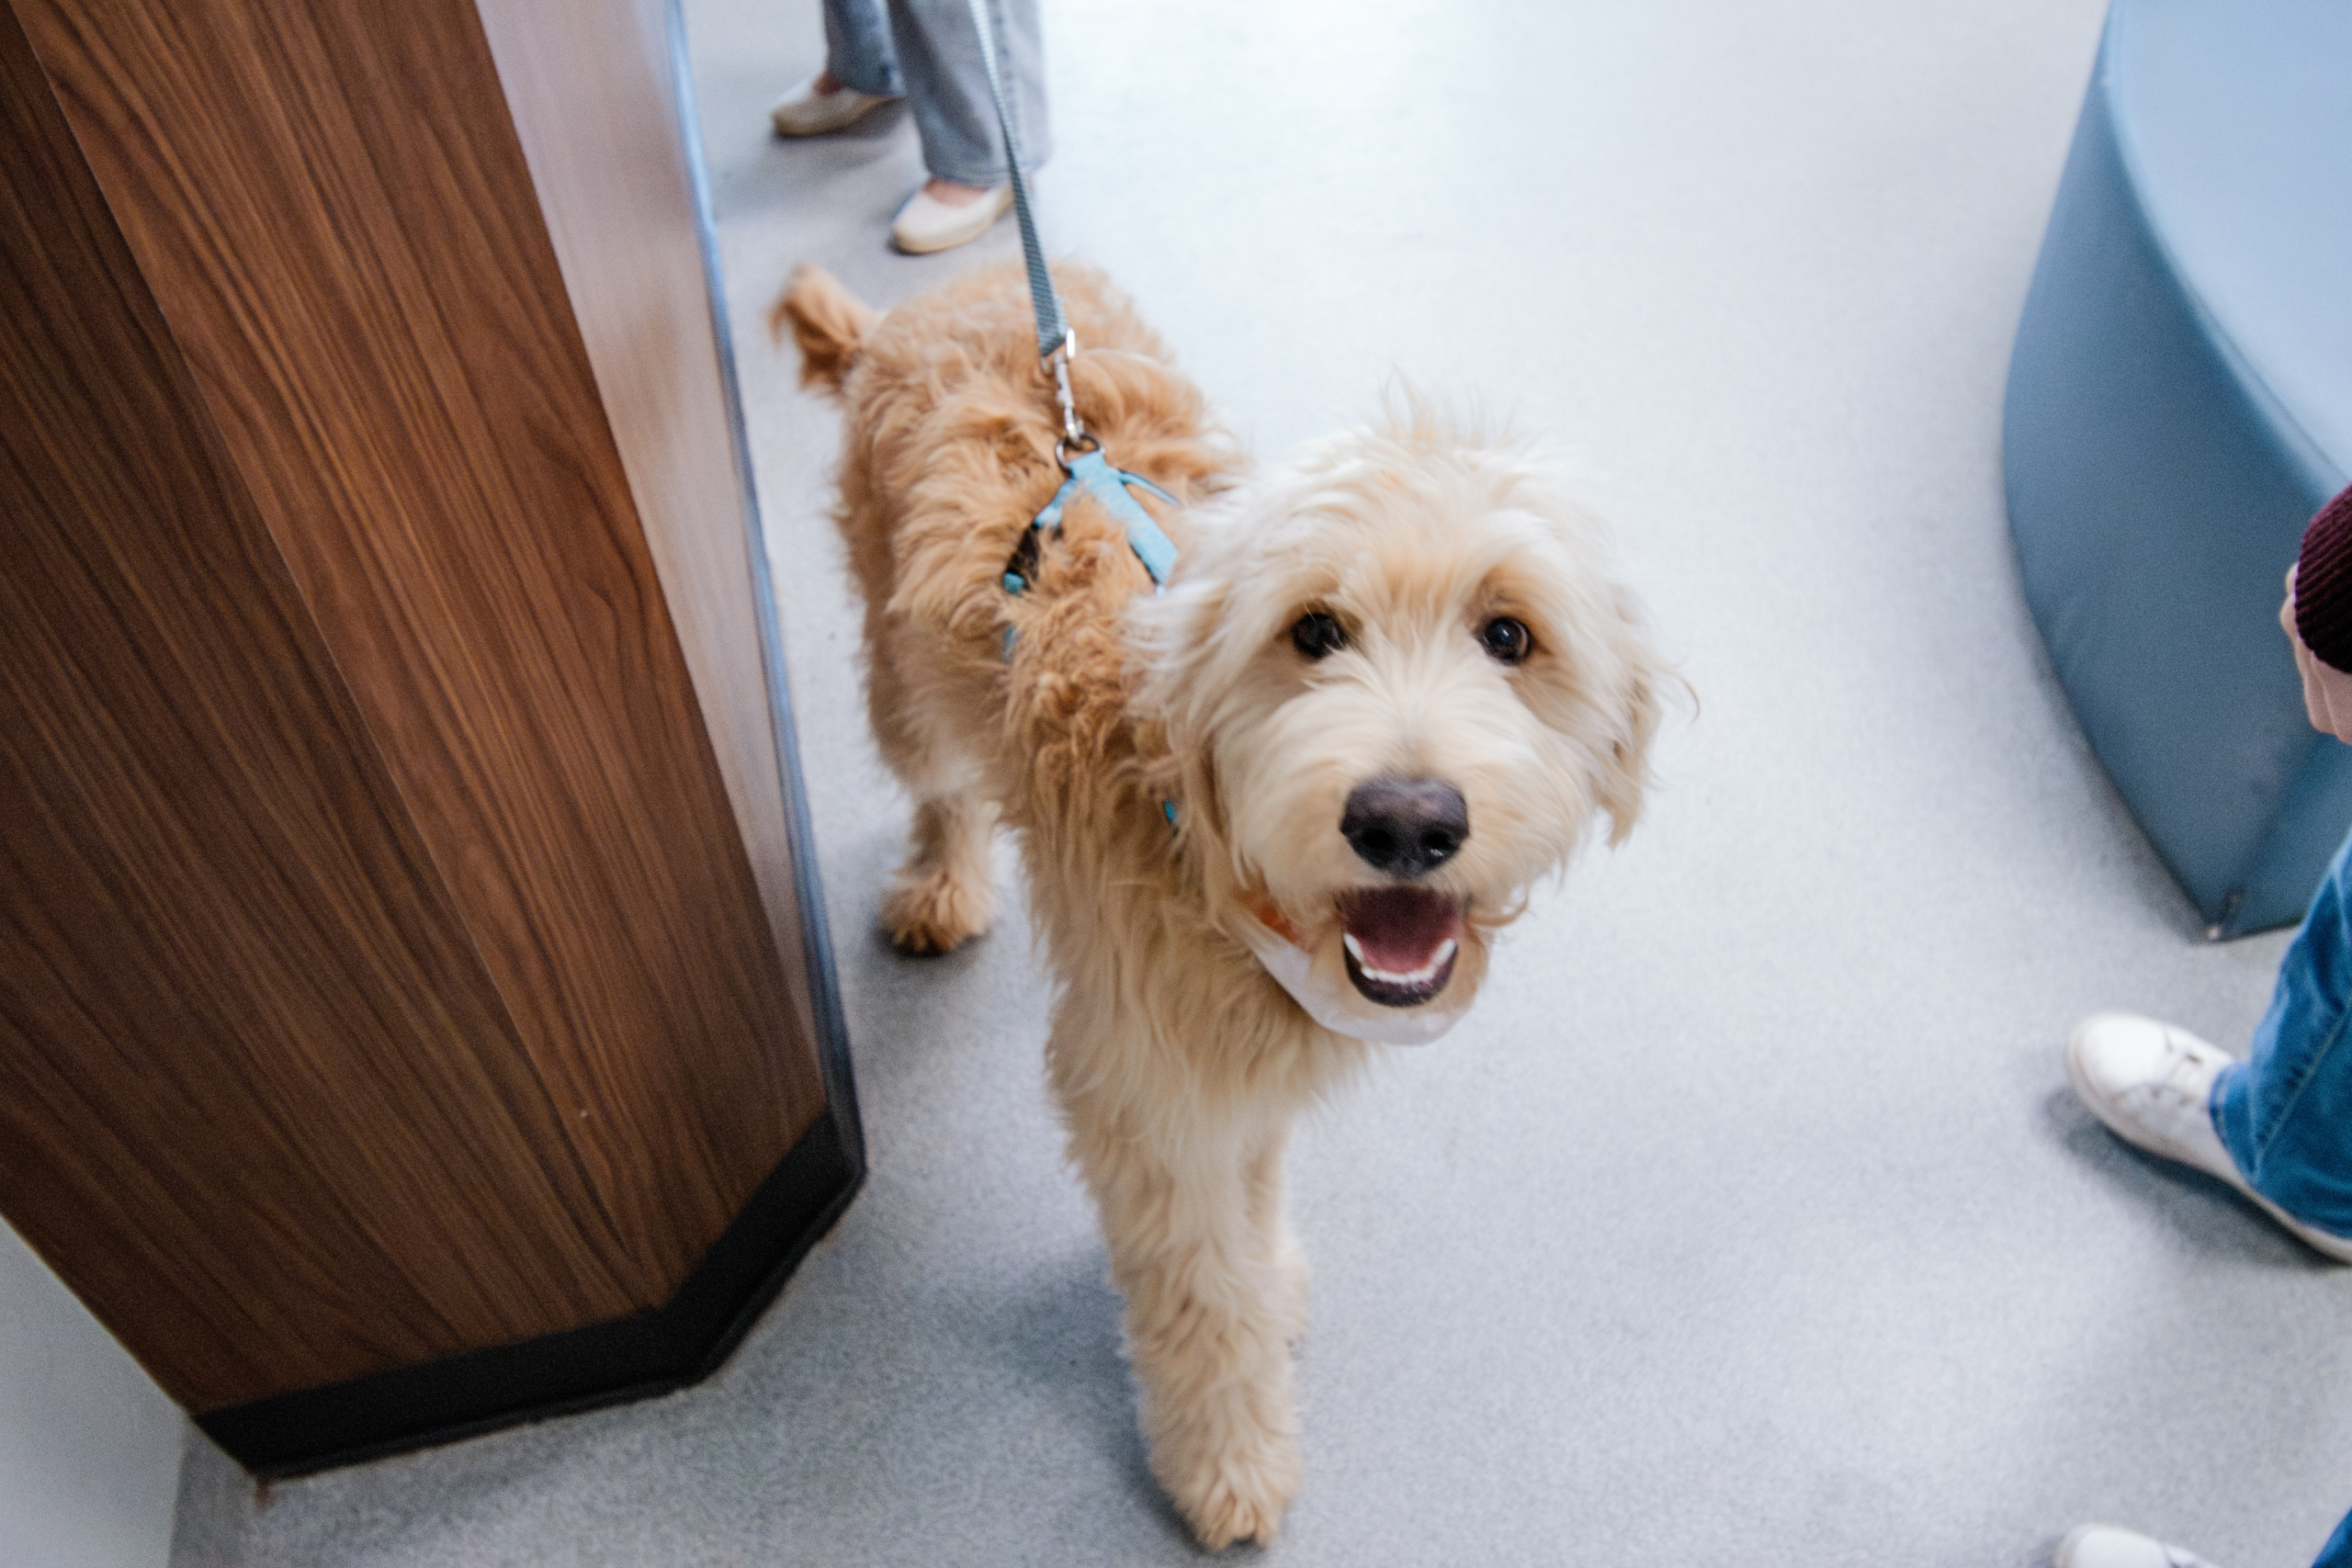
(937, 913)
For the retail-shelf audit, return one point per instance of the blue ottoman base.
(2156, 503)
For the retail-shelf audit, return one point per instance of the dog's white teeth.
(1426, 973)
(1355, 947)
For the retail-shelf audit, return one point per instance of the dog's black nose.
(1405, 827)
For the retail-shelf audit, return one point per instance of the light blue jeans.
(926, 51)
(2337, 1552)
(2286, 1112)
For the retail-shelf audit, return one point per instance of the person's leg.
(2286, 1113)
(2337, 1552)
(2275, 1126)
(857, 49)
(859, 76)
(947, 84)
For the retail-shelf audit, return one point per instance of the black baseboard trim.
(605, 1363)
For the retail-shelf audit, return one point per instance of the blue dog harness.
(1092, 474)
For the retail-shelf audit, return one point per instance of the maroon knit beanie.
(2323, 584)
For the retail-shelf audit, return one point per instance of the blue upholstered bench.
(2179, 404)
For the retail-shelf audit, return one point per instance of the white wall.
(89, 1446)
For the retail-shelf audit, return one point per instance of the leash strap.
(1052, 333)
(1089, 472)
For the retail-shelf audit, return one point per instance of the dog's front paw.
(1235, 1492)
(936, 913)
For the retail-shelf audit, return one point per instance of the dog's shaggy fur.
(1179, 1064)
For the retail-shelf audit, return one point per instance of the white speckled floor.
(1749, 1218)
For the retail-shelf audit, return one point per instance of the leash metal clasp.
(1073, 432)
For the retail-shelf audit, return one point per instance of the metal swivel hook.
(1073, 431)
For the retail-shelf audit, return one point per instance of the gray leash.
(1079, 454)
(1055, 341)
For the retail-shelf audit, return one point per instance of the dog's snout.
(1405, 827)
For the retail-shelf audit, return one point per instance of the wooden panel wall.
(590, 87)
(382, 974)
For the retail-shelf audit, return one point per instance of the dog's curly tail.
(827, 322)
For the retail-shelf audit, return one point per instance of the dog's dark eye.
(1315, 635)
(1507, 639)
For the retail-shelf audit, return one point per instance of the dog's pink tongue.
(1399, 930)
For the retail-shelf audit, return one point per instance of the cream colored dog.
(1276, 810)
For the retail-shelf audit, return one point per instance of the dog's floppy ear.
(1176, 637)
(1626, 777)
(827, 321)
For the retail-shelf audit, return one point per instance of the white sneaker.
(2104, 1546)
(804, 111)
(926, 223)
(2153, 1085)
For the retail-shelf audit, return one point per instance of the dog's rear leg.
(944, 894)
(1213, 1297)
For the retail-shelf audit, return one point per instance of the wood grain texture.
(381, 972)
(618, 201)
(207, 1024)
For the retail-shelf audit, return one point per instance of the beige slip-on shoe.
(804, 111)
(926, 224)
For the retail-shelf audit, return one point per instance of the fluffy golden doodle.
(1272, 812)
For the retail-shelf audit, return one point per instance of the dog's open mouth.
(1401, 943)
